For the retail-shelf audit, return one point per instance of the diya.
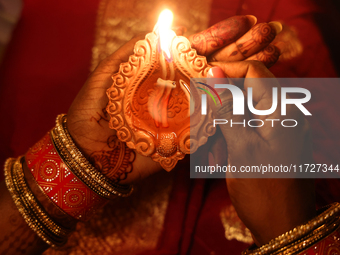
(152, 105)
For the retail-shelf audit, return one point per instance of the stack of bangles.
(66, 178)
(75, 190)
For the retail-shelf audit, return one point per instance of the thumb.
(234, 127)
(110, 64)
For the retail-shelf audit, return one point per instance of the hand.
(87, 118)
(88, 125)
(238, 38)
(268, 207)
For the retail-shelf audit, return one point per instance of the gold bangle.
(81, 167)
(123, 190)
(50, 232)
(32, 223)
(30, 201)
(64, 155)
(318, 226)
(314, 237)
(29, 211)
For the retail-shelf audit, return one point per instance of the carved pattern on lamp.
(138, 117)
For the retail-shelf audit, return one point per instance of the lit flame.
(165, 33)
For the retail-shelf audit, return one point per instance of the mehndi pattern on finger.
(219, 35)
(260, 34)
(268, 56)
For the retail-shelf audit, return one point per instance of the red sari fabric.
(48, 60)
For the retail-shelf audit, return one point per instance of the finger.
(289, 43)
(269, 56)
(262, 98)
(255, 40)
(233, 127)
(244, 69)
(256, 75)
(221, 34)
(111, 63)
(100, 79)
(261, 88)
(101, 76)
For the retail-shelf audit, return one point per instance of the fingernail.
(215, 72)
(276, 25)
(252, 20)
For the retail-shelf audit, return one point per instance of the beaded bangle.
(81, 167)
(310, 232)
(29, 208)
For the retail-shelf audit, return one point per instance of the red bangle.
(59, 183)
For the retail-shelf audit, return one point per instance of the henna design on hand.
(101, 116)
(219, 35)
(268, 56)
(260, 34)
(116, 163)
(253, 42)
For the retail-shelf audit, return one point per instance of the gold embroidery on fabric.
(233, 226)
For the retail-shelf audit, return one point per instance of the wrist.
(270, 207)
(280, 220)
(101, 147)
